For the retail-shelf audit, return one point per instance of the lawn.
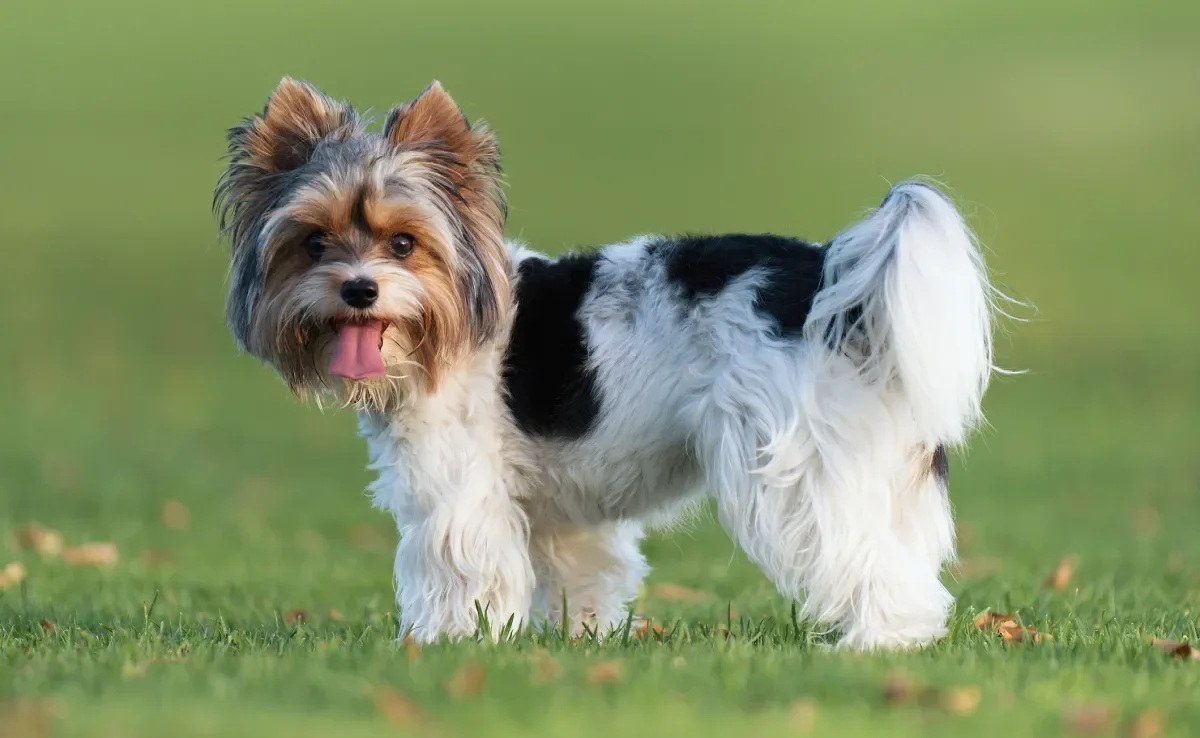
(251, 591)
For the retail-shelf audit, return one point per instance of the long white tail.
(906, 296)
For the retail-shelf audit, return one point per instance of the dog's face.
(373, 258)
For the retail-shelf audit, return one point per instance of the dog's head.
(366, 262)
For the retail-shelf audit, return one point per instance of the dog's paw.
(866, 641)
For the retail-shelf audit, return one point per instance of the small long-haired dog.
(529, 416)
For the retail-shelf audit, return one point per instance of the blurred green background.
(1068, 131)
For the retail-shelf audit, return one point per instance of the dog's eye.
(402, 244)
(314, 246)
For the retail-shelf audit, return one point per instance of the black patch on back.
(940, 465)
(702, 266)
(551, 390)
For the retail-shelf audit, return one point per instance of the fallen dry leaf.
(397, 709)
(33, 537)
(1178, 649)
(92, 554)
(605, 672)
(1088, 718)
(12, 575)
(1147, 725)
(1061, 578)
(468, 681)
(412, 649)
(26, 718)
(802, 715)
(545, 667)
(678, 593)
(175, 515)
(990, 620)
(643, 628)
(961, 700)
(899, 687)
(1013, 633)
(1007, 627)
(295, 616)
(48, 627)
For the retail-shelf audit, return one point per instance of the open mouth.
(358, 350)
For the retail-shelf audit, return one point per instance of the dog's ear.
(464, 162)
(434, 118)
(297, 117)
(282, 138)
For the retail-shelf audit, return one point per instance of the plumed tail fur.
(906, 296)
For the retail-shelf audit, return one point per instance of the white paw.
(872, 640)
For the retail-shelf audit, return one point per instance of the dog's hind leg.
(596, 570)
(880, 544)
(921, 511)
(817, 517)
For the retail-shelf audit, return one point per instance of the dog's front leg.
(462, 558)
(464, 539)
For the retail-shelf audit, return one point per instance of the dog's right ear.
(281, 139)
(297, 117)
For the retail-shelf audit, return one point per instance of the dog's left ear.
(297, 117)
(466, 162)
(434, 118)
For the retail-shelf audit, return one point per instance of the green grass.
(1067, 130)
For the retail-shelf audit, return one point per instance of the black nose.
(360, 293)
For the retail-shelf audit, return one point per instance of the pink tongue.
(356, 355)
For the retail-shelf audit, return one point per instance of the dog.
(530, 417)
